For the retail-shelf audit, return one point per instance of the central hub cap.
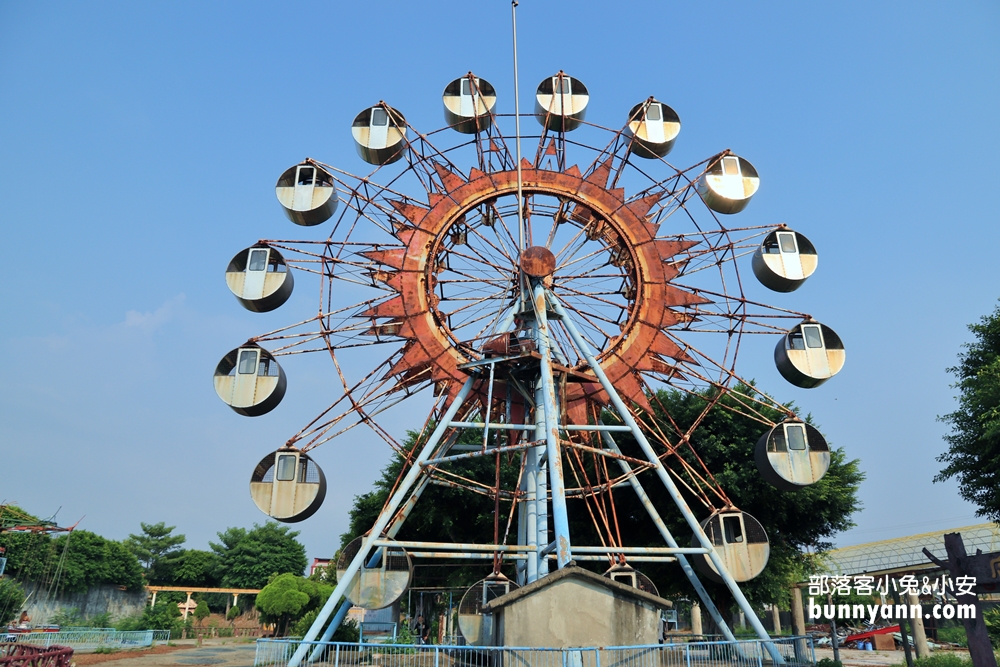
(538, 261)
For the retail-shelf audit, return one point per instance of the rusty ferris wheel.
(542, 300)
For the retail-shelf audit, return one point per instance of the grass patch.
(954, 635)
(943, 660)
(106, 649)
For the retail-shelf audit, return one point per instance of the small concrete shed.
(573, 607)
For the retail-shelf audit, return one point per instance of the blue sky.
(140, 143)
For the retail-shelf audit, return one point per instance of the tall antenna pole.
(517, 135)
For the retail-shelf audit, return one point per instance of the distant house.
(320, 564)
(573, 607)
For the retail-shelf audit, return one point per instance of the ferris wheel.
(542, 300)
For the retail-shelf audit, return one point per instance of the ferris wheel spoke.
(499, 297)
(595, 296)
(479, 258)
(570, 261)
(500, 246)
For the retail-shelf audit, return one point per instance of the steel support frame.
(661, 472)
(535, 549)
(689, 572)
(381, 523)
(546, 402)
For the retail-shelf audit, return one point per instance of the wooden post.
(799, 626)
(798, 613)
(776, 620)
(980, 649)
(917, 623)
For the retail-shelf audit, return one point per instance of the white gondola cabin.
(475, 624)
(792, 455)
(307, 194)
(728, 184)
(287, 485)
(784, 260)
(380, 134)
(382, 579)
(561, 102)
(809, 355)
(654, 126)
(250, 381)
(259, 278)
(739, 540)
(468, 104)
(624, 573)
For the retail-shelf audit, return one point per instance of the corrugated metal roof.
(906, 553)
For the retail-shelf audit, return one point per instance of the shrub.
(953, 634)
(943, 660)
(11, 599)
(163, 616)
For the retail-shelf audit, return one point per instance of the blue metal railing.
(90, 639)
(794, 651)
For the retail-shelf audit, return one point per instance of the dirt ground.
(184, 654)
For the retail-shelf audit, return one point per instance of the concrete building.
(574, 607)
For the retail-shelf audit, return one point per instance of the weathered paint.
(654, 127)
(468, 104)
(784, 260)
(809, 355)
(561, 102)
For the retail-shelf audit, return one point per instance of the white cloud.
(150, 321)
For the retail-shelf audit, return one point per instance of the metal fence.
(746, 653)
(82, 640)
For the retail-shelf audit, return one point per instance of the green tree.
(201, 612)
(91, 560)
(287, 597)
(157, 549)
(796, 522)
(248, 558)
(28, 553)
(194, 567)
(973, 455)
(444, 514)
(11, 599)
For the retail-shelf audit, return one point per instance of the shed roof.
(572, 571)
(903, 554)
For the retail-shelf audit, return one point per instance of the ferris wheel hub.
(538, 262)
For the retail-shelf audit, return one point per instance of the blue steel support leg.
(380, 524)
(521, 566)
(542, 507)
(668, 483)
(560, 519)
(390, 532)
(338, 618)
(531, 511)
(689, 572)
